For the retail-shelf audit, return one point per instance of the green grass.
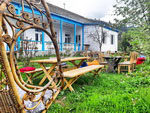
(107, 93)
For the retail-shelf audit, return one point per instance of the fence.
(32, 45)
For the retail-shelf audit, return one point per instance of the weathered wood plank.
(80, 71)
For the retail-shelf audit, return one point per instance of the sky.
(99, 9)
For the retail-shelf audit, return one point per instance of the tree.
(98, 35)
(124, 44)
(140, 40)
(134, 12)
(136, 15)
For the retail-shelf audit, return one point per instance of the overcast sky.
(102, 9)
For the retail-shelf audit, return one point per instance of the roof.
(62, 12)
(73, 16)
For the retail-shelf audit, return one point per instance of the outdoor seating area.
(73, 72)
(114, 61)
(67, 79)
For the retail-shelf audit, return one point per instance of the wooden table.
(49, 72)
(112, 62)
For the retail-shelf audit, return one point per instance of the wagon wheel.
(24, 22)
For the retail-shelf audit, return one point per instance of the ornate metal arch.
(13, 78)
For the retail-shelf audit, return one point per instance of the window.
(36, 37)
(78, 38)
(104, 37)
(112, 39)
(67, 38)
(41, 38)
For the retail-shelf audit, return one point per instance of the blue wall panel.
(61, 35)
(82, 38)
(75, 37)
(43, 44)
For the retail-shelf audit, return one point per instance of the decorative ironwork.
(19, 23)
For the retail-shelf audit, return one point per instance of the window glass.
(104, 37)
(40, 37)
(78, 39)
(67, 38)
(112, 39)
(36, 37)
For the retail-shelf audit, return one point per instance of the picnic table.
(70, 74)
(53, 62)
(112, 62)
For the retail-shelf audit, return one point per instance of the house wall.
(67, 29)
(70, 30)
(30, 34)
(79, 32)
(94, 46)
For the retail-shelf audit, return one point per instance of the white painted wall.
(57, 26)
(87, 40)
(79, 32)
(94, 46)
(68, 30)
(30, 34)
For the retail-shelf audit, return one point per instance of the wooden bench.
(35, 71)
(30, 74)
(73, 75)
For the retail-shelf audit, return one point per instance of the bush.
(142, 70)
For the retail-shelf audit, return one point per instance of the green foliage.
(2, 79)
(142, 70)
(133, 12)
(124, 44)
(139, 39)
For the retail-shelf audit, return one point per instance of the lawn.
(107, 93)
